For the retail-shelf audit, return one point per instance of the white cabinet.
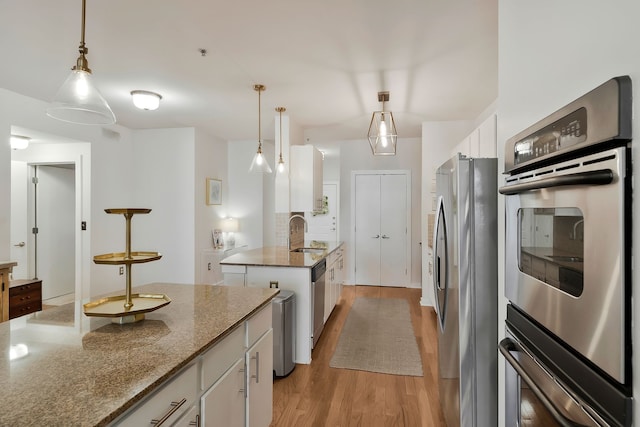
(259, 379)
(333, 280)
(234, 275)
(190, 419)
(481, 142)
(169, 402)
(305, 178)
(231, 384)
(223, 404)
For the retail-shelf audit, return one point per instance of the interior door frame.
(352, 232)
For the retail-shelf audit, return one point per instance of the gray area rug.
(378, 337)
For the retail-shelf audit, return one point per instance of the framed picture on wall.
(214, 191)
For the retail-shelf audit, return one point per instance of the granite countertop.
(88, 373)
(280, 256)
(7, 264)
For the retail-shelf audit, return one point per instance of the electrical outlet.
(273, 284)
(121, 271)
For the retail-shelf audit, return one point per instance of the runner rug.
(378, 337)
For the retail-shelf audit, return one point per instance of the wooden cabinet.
(25, 296)
(5, 271)
(305, 178)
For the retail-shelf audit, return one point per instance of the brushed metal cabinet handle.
(175, 407)
(257, 359)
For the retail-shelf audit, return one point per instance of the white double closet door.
(381, 228)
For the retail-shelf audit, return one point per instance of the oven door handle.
(506, 346)
(597, 177)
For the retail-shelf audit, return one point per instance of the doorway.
(323, 225)
(381, 232)
(43, 203)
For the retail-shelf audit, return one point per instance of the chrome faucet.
(574, 236)
(306, 226)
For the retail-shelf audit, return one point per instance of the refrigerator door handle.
(439, 280)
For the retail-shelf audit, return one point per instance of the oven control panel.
(565, 132)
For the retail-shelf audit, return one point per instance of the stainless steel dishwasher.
(317, 290)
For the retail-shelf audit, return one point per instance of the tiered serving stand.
(128, 308)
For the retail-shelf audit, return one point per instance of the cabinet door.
(224, 403)
(191, 418)
(260, 382)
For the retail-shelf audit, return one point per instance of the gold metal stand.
(130, 307)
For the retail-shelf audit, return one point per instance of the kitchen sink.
(565, 258)
(308, 250)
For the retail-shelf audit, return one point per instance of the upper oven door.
(565, 254)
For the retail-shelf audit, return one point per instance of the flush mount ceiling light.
(145, 100)
(259, 163)
(78, 100)
(382, 130)
(280, 160)
(19, 142)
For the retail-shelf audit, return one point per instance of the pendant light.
(382, 130)
(280, 160)
(78, 100)
(259, 163)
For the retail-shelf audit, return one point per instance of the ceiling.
(324, 61)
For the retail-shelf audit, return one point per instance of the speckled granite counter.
(89, 373)
(280, 256)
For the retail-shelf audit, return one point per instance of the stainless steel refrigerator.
(466, 290)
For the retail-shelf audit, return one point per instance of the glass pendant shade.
(79, 101)
(382, 134)
(280, 165)
(259, 163)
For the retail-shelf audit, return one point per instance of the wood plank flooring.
(317, 395)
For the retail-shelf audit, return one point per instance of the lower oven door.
(535, 398)
(567, 254)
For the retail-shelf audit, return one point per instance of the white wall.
(210, 162)
(251, 196)
(550, 54)
(163, 180)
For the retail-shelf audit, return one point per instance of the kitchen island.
(94, 371)
(290, 270)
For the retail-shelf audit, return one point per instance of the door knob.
(377, 236)
(21, 244)
(384, 236)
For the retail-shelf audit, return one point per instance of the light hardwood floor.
(317, 395)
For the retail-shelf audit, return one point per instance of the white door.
(324, 225)
(19, 225)
(367, 229)
(393, 230)
(56, 221)
(381, 232)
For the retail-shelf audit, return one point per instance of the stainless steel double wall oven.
(567, 260)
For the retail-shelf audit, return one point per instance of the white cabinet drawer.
(221, 356)
(258, 324)
(167, 404)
